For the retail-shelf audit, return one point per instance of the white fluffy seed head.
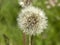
(53, 2)
(32, 20)
(25, 3)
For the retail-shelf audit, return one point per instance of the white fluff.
(27, 15)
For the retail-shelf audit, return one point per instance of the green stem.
(29, 40)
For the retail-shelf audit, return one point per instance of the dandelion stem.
(24, 39)
(31, 40)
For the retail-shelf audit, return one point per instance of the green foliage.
(9, 10)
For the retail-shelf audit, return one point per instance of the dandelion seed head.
(25, 3)
(51, 3)
(32, 20)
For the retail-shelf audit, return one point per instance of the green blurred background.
(10, 34)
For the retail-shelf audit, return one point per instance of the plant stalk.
(31, 40)
(24, 39)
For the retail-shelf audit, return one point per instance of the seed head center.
(32, 21)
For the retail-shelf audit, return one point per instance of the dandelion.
(51, 3)
(25, 3)
(32, 20)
